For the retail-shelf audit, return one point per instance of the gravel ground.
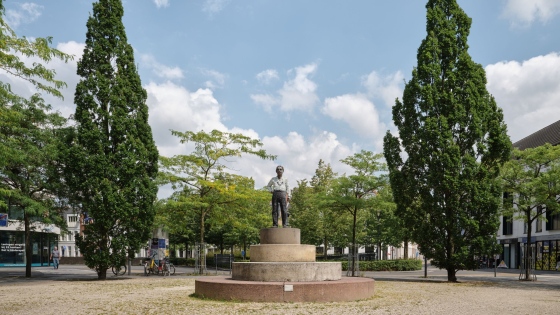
(155, 295)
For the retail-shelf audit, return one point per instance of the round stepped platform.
(286, 271)
(225, 288)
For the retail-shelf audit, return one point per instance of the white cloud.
(173, 107)
(524, 12)
(357, 111)
(161, 3)
(528, 92)
(296, 94)
(219, 78)
(160, 70)
(267, 76)
(387, 88)
(27, 13)
(266, 100)
(214, 6)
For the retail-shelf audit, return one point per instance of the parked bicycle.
(150, 266)
(119, 271)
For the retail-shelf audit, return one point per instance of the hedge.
(387, 265)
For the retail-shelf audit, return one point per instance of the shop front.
(510, 250)
(12, 248)
(547, 254)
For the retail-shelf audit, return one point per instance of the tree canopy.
(455, 139)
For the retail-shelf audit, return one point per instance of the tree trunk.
(187, 249)
(451, 274)
(529, 251)
(222, 248)
(201, 253)
(102, 274)
(406, 248)
(354, 244)
(28, 249)
(325, 256)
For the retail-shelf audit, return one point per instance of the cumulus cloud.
(214, 6)
(296, 94)
(267, 76)
(528, 92)
(161, 3)
(357, 111)
(523, 13)
(159, 69)
(299, 156)
(27, 13)
(387, 88)
(218, 79)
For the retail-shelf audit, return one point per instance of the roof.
(549, 134)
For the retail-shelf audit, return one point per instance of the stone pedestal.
(283, 270)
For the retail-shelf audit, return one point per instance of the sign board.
(502, 265)
(524, 240)
(3, 219)
(12, 247)
(161, 243)
(155, 243)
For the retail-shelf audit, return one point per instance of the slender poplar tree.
(113, 161)
(455, 139)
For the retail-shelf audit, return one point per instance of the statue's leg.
(274, 210)
(284, 210)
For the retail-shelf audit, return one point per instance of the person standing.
(279, 188)
(55, 256)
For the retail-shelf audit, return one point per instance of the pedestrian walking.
(55, 256)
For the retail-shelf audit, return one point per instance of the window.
(539, 224)
(553, 221)
(507, 225)
(73, 218)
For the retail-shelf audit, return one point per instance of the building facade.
(12, 240)
(545, 238)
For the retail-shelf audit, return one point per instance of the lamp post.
(378, 242)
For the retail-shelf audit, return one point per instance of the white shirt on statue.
(278, 184)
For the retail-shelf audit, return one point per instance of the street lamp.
(378, 242)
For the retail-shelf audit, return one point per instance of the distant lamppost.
(378, 241)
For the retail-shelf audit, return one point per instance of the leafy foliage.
(203, 187)
(112, 161)
(455, 139)
(11, 46)
(353, 194)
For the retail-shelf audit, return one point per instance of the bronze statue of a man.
(279, 188)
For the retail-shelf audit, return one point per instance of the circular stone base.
(286, 271)
(224, 288)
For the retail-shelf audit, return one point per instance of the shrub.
(387, 265)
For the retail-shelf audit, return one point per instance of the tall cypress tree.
(113, 162)
(455, 139)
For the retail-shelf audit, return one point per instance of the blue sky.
(312, 79)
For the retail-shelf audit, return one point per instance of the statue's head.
(279, 170)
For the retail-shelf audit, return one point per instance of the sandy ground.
(155, 295)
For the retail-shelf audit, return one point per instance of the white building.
(545, 237)
(67, 241)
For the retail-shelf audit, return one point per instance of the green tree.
(200, 179)
(29, 179)
(533, 177)
(113, 161)
(455, 139)
(28, 134)
(349, 192)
